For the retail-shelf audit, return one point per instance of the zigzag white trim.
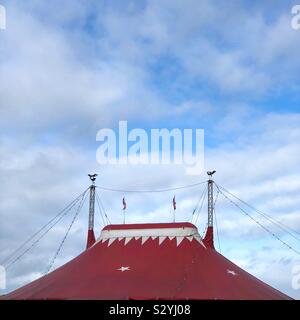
(162, 234)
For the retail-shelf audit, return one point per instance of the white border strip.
(161, 233)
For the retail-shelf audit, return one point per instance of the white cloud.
(49, 177)
(60, 83)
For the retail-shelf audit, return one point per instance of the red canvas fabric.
(209, 238)
(148, 271)
(90, 239)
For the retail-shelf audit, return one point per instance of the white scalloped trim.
(162, 234)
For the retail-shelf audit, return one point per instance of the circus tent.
(149, 261)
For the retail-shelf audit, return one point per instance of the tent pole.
(91, 235)
(210, 198)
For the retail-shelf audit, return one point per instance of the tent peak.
(150, 226)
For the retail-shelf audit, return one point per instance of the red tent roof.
(148, 261)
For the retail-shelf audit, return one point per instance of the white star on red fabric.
(122, 269)
(232, 272)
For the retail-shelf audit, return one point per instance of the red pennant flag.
(124, 204)
(174, 203)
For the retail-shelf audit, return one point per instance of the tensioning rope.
(257, 222)
(279, 224)
(216, 222)
(101, 208)
(59, 216)
(201, 206)
(67, 233)
(153, 190)
(197, 205)
(102, 213)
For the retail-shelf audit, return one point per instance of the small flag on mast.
(124, 208)
(174, 203)
(124, 203)
(174, 207)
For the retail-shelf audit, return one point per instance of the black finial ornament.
(210, 173)
(93, 177)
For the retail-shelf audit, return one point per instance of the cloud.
(68, 70)
(44, 179)
(244, 54)
(56, 89)
(272, 266)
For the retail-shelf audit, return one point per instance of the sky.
(71, 68)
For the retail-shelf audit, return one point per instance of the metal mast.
(210, 198)
(209, 235)
(91, 236)
(92, 201)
